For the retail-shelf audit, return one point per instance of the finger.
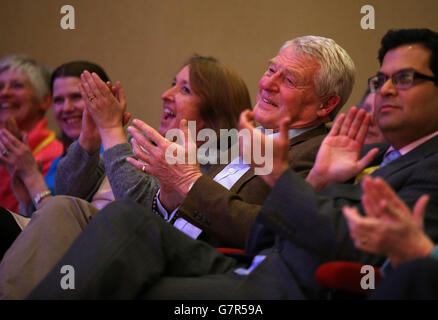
(371, 206)
(95, 85)
(245, 145)
(356, 124)
(116, 91)
(190, 152)
(246, 120)
(6, 158)
(359, 227)
(143, 144)
(362, 133)
(84, 95)
(246, 123)
(284, 128)
(420, 209)
(352, 215)
(366, 160)
(151, 133)
(383, 190)
(126, 118)
(87, 119)
(142, 154)
(120, 93)
(189, 135)
(10, 142)
(139, 165)
(140, 139)
(11, 125)
(372, 189)
(348, 121)
(334, 131)
(111, 88)
(377, 195)
(93, 91)
(391, 211)
(2, 148)
(26, 140)
(86, 86)
(371, 198)
(100, 85)
(139, 151)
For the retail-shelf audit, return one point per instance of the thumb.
(183, 126)
(363, 163)
(25, 139)
(246, 120)
(121, 93)
(420, 209)
(284, 126)
(352, 215)
(126, 118)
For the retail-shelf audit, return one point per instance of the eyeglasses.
(403, 79)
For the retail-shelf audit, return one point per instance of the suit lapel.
(215, 169)
(423, 151)
(243, 179)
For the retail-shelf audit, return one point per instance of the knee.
(126, 211)
(66, 207)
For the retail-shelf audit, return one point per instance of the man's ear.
(46, 103)
(329, 103)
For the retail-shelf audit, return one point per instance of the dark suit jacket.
(225, 215)
(296, 212)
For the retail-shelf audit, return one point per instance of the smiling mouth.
(73, 120)
(168, 114)
(269, 102)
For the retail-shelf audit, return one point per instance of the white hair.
(38, 75)
(337, 70)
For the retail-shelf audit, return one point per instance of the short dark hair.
(425, 37)
(75, 69)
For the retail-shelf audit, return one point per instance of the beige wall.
(142, 43)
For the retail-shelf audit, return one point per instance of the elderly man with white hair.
(126, 252)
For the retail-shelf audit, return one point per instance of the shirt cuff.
(162, 210)
(434, 253)
(386, 268)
